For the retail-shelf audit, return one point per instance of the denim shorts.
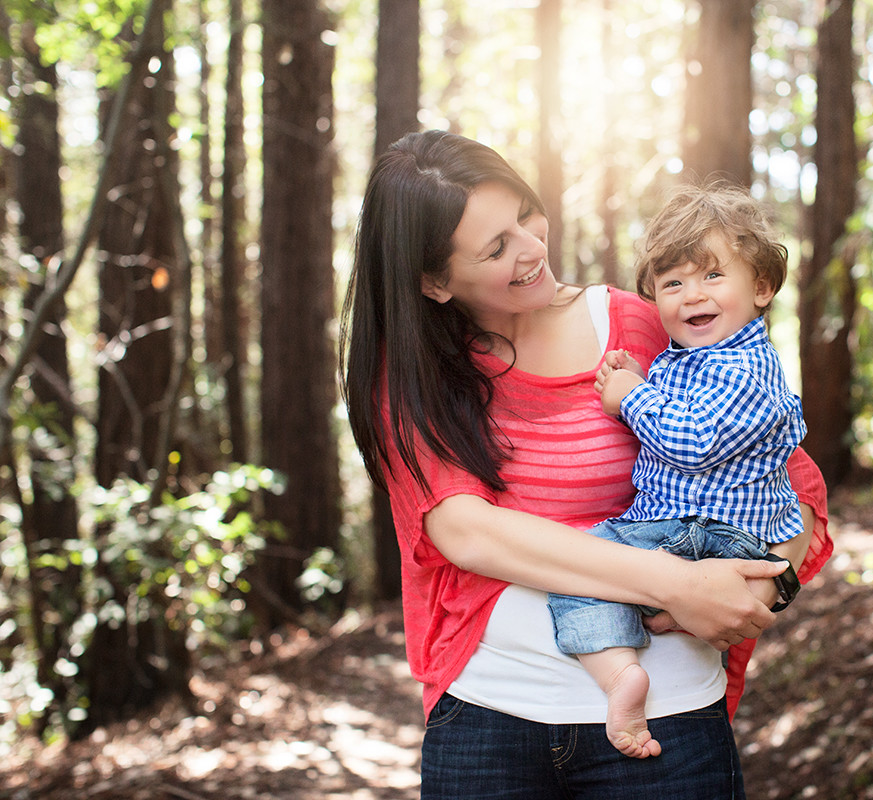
(473, 753)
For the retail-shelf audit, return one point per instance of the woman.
(470, 387)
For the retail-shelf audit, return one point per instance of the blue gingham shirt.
(717, 425)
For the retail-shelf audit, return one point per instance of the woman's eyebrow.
(488, 247)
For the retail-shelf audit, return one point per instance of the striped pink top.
(569, 462)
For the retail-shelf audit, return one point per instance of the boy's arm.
(721, 415)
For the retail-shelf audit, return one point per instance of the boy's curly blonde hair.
(677, 234)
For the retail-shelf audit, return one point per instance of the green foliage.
(862, 388)
(322, 576)
(182, 562)
(97, 33)
(186, 557)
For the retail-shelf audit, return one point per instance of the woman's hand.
(717, 603)
(763, 588)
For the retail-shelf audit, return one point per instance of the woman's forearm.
(531, 551)
(794, 550)
(709, 598)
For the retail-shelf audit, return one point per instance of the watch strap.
(787, 584)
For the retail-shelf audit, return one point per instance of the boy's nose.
(694, 293)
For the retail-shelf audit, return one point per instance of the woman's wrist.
(671, 580)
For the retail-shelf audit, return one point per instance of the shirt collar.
(755, 333)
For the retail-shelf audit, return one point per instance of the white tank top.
(518, 669)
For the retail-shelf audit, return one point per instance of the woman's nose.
(536, 236)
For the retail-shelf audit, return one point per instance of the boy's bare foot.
(626, 725)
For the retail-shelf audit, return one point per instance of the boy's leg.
(618, 672)
(720, 540)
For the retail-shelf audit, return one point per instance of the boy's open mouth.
(700, 320)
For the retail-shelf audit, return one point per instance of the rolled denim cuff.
(586, 625)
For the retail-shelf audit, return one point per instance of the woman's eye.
(526, 214)
(501, 247)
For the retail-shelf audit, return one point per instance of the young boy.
(716, 422)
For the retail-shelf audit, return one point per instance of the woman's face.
(499, 264)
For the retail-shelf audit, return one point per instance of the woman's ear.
(432, 288)
(764, 293)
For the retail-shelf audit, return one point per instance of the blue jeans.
(472, 753)
(589, 625)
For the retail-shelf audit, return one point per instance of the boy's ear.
(433, 289)
(764, 293)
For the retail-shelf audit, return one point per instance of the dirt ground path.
(339, 716)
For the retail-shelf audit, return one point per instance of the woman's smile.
(526, 280)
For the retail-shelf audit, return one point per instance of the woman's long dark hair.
(414, 200)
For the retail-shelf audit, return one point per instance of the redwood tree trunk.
(52, 518)
(607, 244)
(397, 88)
(298, 388)
(137, 280)
(827, 287)
(717, 141)
(551, 183)
(130, 665)
(232, 220)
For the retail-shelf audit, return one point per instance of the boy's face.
(700, 307)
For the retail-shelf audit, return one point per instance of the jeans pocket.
(714, 711)
(445, 710)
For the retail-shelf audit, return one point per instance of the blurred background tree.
(180, 185)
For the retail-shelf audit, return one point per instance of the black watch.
(786, 583)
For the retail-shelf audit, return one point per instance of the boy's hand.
(619, 374)
(622, 359)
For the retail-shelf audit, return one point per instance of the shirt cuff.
(638, 401)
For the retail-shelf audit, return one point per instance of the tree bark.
(137, 280)
(52, 518)
(827, 287)
(232, 220)
(298, 389)
(551, 181)
(607, 244)
(397, 88)
(397, 71)
(143, 264)
(717, 140)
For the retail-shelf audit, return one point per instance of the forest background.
(180, 185)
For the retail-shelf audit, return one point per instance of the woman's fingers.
(717, 604)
